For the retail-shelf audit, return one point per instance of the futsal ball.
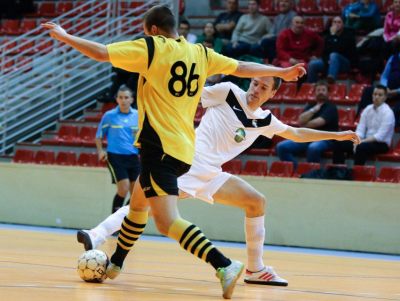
(92, 266)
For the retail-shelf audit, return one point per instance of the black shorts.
(123, 167)
(159, 172)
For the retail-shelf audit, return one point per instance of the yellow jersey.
(172, 75)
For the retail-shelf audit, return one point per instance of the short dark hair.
(322, 83)
(125, 88)
(186, 22)
(277, 83)
(160, 16)
(381, 87)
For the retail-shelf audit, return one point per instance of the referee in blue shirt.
(120, 125)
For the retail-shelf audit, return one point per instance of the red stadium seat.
(267, 7)
(234, 166)
(64, 7)
(108, 106)
(286, 92)
(24, 63)
(347, 118)
(11, 27)
(27, 46)
(128, 7)
(329, 7)
(82, 26)
(99, 27)
(66, 158)
(291, 115)
(8, 64)
(44, 46)
(315, 24)
(100, 9)
(386, 6)
(308, 7)
(45, 157)
(88, 159)
(276, 111)
(355, 93)
(389, 174)
(67, 135)
(24, 156)
(87, 134)
(305, 167)
(28, 25)
(364, 173)
(47, 9)
(255, 168)
(305, 94)
(337, 92)
(393, 155)
(281, 169)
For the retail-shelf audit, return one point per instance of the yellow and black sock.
(131, 229)
(193, 240)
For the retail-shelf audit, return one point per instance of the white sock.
(255, 235)
(112, 223)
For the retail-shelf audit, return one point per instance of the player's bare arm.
(249, 69)
(309, 135)
(93, 50)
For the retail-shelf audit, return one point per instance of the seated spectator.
(322, 115)
(339, 52)
(391, 31)
(297, 44)
(210, 35)
(251, 28)
(226, 22)
(390, 78)
(267, 46)
(376, 128)
(184, 30)
(216, 78)
(362, 15)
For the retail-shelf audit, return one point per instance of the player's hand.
(294, 73)
(55, 30)
(103, 156)
(349, 135)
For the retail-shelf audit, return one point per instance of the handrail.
(48, 80)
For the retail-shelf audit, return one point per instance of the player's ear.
(273, 92)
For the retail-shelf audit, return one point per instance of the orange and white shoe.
(267, 276)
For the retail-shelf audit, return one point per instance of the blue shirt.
(120, 130)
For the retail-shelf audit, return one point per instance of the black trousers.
(363, 151)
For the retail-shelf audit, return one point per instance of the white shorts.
(202, 182)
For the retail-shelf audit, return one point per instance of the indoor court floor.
(40, 264)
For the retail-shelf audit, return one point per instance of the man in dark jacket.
(338, 56)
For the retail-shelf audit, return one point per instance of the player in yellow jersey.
(172, 76)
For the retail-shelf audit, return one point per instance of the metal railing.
(42, 80)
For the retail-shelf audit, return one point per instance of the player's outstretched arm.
(93, 50)
(249, 69)
(309, 135)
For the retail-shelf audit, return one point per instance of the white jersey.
(227, 129)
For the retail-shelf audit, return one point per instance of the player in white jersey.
(232, 122)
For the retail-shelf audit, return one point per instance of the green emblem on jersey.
(240, 135)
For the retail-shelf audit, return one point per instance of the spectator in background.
(376, 128)
(249, 31)
(362, 15)
(322, 115)
(184, 30)
(210, 35)
(391, 31)
(339, 52)
(226, 21)
(390, 79)
(267, 46)
(297, 44)
(120, 125)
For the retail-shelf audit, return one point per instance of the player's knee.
(256, 204)
(161, 224)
